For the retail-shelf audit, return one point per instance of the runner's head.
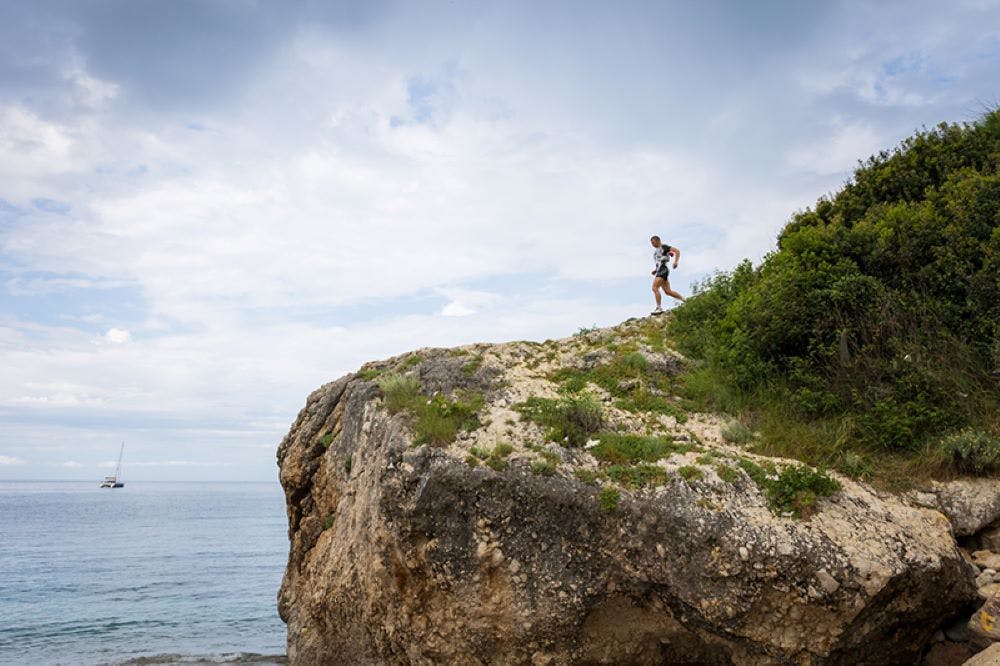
(655, 241)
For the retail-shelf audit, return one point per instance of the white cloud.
(72, 464)
(10, 460)
(117, 336)
(316, 219)
(838, 150)
(465, 302)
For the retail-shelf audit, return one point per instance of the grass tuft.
(609, 498)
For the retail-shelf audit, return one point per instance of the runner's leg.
(657, 283)
(669, 292)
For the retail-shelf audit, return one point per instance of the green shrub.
(570, 420)
(637, 476)
(727, 473)
(498, 464)
(497, 458)
(854, 465)
(326, 440)
(795, 489)
(503, 450)
(609, 498)
(879, 308)
(411, 361)
(798, 488)
(399, 391)
(543, 467)
(368, 374)
(619, 448)
(473, 365)
(588, 476)
(471, 460)
(635, 362)
(972, 451)
(330, 521)
(690, 473)
(735, 432)
(437, 420)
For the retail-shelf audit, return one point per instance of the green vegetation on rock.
(972, 451)
(570, 420)
(621, 448)
(875, 326)
(794, 490)
(437, 419)
(608, 497)
(637, 476)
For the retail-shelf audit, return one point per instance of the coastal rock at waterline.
(403, 554)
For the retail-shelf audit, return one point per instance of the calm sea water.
(148, 574)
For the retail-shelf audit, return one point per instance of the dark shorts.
(663, 272)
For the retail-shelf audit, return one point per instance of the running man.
(661, 258)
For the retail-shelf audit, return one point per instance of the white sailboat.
(115, 481)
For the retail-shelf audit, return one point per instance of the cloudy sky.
(208, 209)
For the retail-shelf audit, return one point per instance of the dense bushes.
(881, 304)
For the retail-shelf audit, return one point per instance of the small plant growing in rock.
(635, 362)
(410, 361)
(543, 468)
(570, 420)
(347, 463)
(638, 476)
(368, 374)
(609, 498)
(620, 448)
(326, 440)
(330, 521)
(727, 473)
(471, 460)
(437, 419)
(399, 391)
(854, 465)
(735, 432)
(971, 451)
(473, 365)
(795, 490)
(496, 464)
(503, 450)
(588, 476)
(497, 458)
(690, 473)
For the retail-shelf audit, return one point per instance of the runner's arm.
(677, 255)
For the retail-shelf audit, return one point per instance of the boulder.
(408, 555)
(537, 553)
(970, 504)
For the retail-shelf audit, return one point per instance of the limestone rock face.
(403, 554)
(970, 504)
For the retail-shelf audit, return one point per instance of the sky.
(209, 209)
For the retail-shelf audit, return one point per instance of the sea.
(152, 573)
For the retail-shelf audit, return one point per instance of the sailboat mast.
(118, 470)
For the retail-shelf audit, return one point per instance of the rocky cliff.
(555, 503)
